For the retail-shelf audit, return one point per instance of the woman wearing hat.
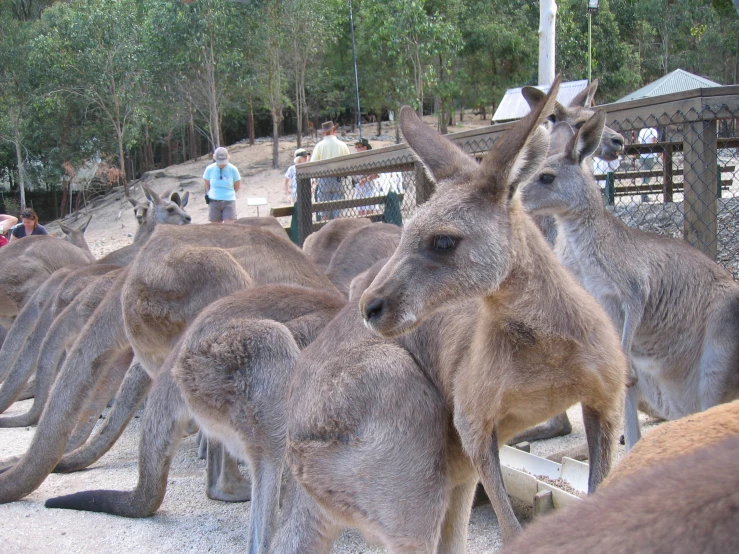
(222, 181)
(291, 178)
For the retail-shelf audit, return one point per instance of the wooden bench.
(390, 212)
(667, 187)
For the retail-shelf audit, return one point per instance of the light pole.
(592, 8)
(356, 76)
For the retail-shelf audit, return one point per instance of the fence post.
(610, 188)
(305, 210)
(667, 174)
(700, 203)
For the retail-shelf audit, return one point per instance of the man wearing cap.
(329, 188)
(222, 181)
(291, 178)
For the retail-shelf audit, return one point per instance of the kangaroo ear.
(133, 202)
(174, 197)
(519, 153)
(66, 230)
(532, 95)
(151, 196)
(185, 199)
(584, 98)
(587, 138)
(560, 137)
(441, 158)
(83, 227)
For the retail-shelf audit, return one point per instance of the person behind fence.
(28, 226)
(328, 188)
(365, 186)
(222, 181)
(648, 135)
(291, 177)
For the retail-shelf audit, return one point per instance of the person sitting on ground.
(291, 177)
(28, 226)
(365, 185)
(222, 181)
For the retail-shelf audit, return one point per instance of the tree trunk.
(19, 158)
(275, 140)
(192, 138)
(547, 42)
(379, 124)
(251, 121)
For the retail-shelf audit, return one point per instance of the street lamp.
(356, 76)
(592, 8)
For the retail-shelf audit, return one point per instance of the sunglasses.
(27, 216)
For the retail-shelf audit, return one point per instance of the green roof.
(677, 81)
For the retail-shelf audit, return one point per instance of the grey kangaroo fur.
(160, 299)
(677, 311)
(540, 344)
(320, 246)
(303, 311)
(25, 365)
(576, 113)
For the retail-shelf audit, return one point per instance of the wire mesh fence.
(678, 176)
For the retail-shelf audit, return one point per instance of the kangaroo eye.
(552, 118)
(170, 210)
(546, 178)
(444, 243)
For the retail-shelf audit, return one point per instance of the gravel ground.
(187, 521)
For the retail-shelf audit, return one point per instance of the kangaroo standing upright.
(678, 311)
(541, 343)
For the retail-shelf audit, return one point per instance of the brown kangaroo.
(631, 515)
(540, 344)
(321, 245)
(25, 364)
(177, 272)
(303, 311)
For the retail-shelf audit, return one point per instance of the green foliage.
(99, 78)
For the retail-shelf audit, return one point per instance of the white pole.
(547, 33)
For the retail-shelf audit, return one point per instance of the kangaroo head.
(166, 208)
(576, 114)
(457, 245)
(76, 236)
(564, 183)
(140, 210)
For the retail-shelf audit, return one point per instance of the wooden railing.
(696, 112)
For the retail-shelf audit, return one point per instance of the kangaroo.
(321, 245)
(267, 223)
(77, 296)
(678, 311)
(630, 515)
(303, 311)
(24, 365)
(26, 264)
(77, 236)
(611, 146)
(359, 250)
(541, 343)
(177, 272)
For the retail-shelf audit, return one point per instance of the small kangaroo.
(678, 311)
(541, 343)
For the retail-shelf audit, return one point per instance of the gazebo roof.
(514, 106)
(677, 81)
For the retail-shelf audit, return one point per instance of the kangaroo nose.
(188, 219)
(373, 309)
(618, 142)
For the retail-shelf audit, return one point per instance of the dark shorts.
(219, 210)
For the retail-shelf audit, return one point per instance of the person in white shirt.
(328, 188)
(648, 135)
(291, 177)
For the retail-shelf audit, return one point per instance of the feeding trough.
(541, 483)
